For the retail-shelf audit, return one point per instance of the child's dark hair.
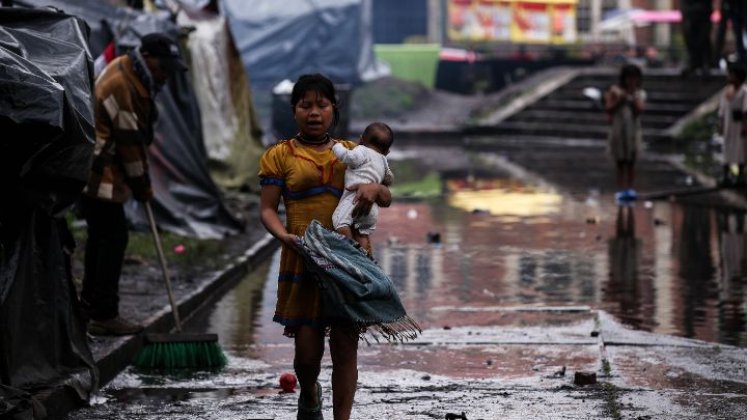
(319, 84)
(630, 70)
(372, 133)
(739, 71)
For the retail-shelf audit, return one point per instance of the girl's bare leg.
(343, 347)
(620, 176)
(307, 362)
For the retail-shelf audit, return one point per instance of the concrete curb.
(732, 198)
(60, 400)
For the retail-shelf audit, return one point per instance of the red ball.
(288, 382)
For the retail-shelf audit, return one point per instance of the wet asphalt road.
(532, 260)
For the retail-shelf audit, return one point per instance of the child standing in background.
(624, 103)
(366, 163)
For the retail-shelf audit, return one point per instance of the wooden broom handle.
(164, 268)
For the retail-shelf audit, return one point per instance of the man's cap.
(165, 49)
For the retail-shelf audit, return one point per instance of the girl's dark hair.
(319, 84)
(739, 71)
(630, 70)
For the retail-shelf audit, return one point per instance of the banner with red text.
(524, 21)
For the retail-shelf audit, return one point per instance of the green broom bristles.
(169, 352)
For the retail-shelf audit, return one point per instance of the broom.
(177, 350)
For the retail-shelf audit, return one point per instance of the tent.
(231, 128)
(46, 119)
(187, 200)
(281, 40)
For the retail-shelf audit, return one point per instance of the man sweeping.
(125, 115)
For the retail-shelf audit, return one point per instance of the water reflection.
(553, 276)
(243, 313)
(697, 271)
(624, 258)
(733, 269)
(413, 270)
(665, 268)
(670, 269)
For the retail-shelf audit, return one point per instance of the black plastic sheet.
(46, 143)
(187, 201)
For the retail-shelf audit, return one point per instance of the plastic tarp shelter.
(46, 121)
(231, 128)
(187, 200)
(281, 40)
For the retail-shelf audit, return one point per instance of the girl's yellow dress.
(312, 183)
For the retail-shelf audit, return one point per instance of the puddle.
(483, 252)
(660, 267)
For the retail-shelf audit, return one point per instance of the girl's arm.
(612, 99)
(368, 194)
(268, 214)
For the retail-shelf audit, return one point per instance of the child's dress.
(626, 136)
(312, 183)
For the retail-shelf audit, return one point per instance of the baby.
(366, 164)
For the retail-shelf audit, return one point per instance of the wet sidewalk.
(516, 363)
(488, 361)
(527, 367)
(143, 300)
(513, 307)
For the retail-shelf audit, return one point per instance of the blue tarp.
(281, 40)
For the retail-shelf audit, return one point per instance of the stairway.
(578, 169)
(566, 113)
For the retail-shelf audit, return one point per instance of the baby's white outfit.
(365, 166)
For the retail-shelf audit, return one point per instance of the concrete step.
(588, 117)
(694, 96)
(566, 113)
(572, 122)
(652, 78)
(655, 87)
(658, 108)
(571, 131)
(706, 88)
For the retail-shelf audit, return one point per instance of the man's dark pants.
(105, 250)
(696, 28)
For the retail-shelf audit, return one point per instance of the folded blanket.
(354, 288)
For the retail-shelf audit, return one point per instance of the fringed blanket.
(354, 288)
